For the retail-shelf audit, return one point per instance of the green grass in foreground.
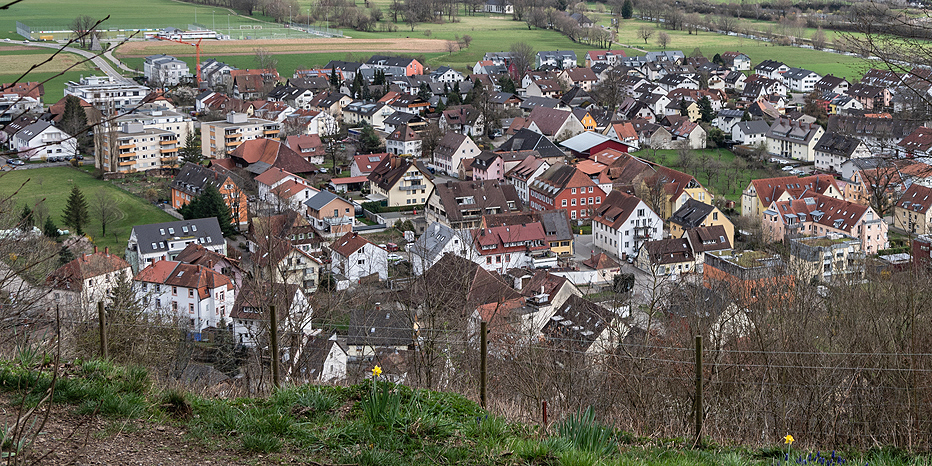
(339, 425)
(53, 184)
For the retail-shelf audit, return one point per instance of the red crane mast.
(197, 50)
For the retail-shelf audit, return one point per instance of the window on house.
(190, 292)
(574, 190)
(563, 202)
(361, 261)
(174, 291)
(573, 201)
(190, 308)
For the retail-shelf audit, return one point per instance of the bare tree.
(84, 30)
(522, 56)
(663, 39)
(265, 60)
(818, 39)
(645, 32)
(105, 209)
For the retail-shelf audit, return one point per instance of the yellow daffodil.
(788, 439)
(376, 371)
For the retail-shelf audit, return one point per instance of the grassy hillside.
(365, 424)
(52, 186)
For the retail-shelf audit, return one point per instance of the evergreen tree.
(73, 119)
(64, 255)
(440, 106)
(455, 97)
(717, 59)
(684, 108)
(366, 93)
(209, 203)
(507, 84)
(26, 219)
(627, 9)
(378, 78)
(76, 214)
(191, 152)
(334, 79)
(369, 142)
(50, 229)
(705, 108)
(424, 92)
(356, 88)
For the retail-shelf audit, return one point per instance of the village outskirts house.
(404, 141)
(911, 213)
(193, 179)
(164, 241)
(622, 223)
(793, 139)
(451, 150)
(86, 280)
(695, 214)
(833, 150)
(330, 214)
(819, 215)
(565, 187)
(400, 181)
(353, 257)
(197, 295)
(250, 313)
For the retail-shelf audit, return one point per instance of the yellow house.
(556, 223)
(695, 214)
(400, 181)
(912, 211)
(586, 119)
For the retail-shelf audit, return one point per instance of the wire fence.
(826, 399)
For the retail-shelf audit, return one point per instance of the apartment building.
(148, 138)
(106, 93)
(220, 138)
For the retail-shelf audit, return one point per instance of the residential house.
(771, 69)
(165, 70)
(527, 140)
(558, 232)
(452, 149)
(330, 213)
(793, 139)
(197, 295)
(736, 61)
(396, 66)
(582, 327)
(565, 187)
(559, 59)
(694, 214)
(488, 166)
(703, 240)
(197, 254)
(164, 241)
(363, 164)
(383, 328)
(727, 118)
(279, 261)
(502, 7)
(911, 211)
(506, 247)
(220, 138)
(41, 140)
(834, 149)
(86, 280)
(826, 258)
(445, 74)
(557, 125)
(874, 98)
(404, 141)
(259, 155)
(268, 182)
(463, 119)
(373, 114)
(800, 79)
(918, 143)
(652, 135)
(525, 173)
(149, 137)
(308, 146)
(106, 93)
(688, 133)
(547, 88)
(624, 132)
(750, 133)
(622, 223)
(608, 57)
(438, 240)
(880, 132)
(759, 194)
(669, 256)
(401, 181)
(250, 313)
(323, 360)
(331, 102)
(353, 257)
(819, 215)
(253, 84)
(832, 83)
(461, 204)
(583, 78)
(193, 179)
(669, 188)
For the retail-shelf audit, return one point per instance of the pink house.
(818, 215)
(488, 166)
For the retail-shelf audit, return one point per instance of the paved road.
(99, 61)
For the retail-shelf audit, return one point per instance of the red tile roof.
(175, 273)
(348, 244)
(71, 276)
(274, 153)
(770, 189)
(916, 199)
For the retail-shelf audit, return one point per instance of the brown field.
(247, 47)
(20, 63)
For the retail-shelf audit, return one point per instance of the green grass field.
(53, 185)
(729, 180)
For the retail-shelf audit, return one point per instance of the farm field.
(54, 184)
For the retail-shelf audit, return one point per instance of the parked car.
(394, 257)
(788, 168)
(15, 162)
(391, 247)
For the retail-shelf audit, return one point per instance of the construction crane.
(197, 48)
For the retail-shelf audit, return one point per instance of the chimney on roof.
(355, 234)
(210, 264)
(107, 250)
(95, 249)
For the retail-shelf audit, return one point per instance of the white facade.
(801, 80)
(247, 329)
(398, 147)
(220, 138)
(365, 261)
(450, 162)
(189, 304)
(41, 140)
(642, 225)
(165, 70)
(106, 93)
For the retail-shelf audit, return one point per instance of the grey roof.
(319, 200)
(577, 324)
(525, 139)
(430, 244)
(379, 328)
(753, 127)
(796, 73)
(837, 144)
(692, 214)
(154, 237)
(194, 178)
(730, 113)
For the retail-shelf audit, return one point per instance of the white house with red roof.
(354, 257)
(918, 143)
(525, 173)
(199, 296)
(623, 223)
(759, 194)
(87, 279)
(308, 146)
(608, 57)
(273, 178)
(507, 247)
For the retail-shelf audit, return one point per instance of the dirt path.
(278, 46)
